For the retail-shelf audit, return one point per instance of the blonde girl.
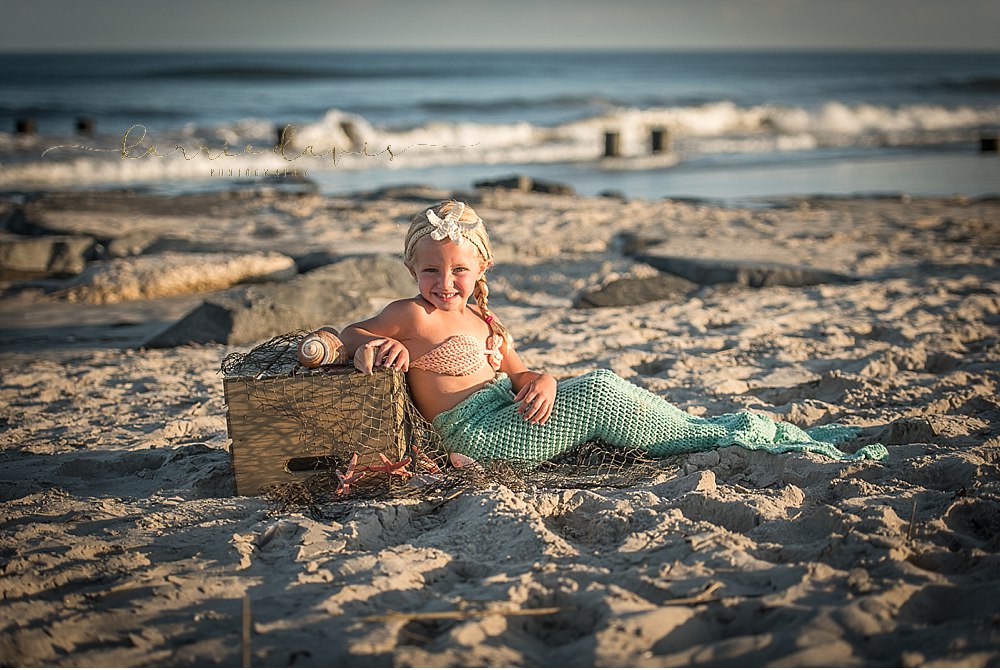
(467, 379)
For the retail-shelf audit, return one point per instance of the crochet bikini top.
(461, 355)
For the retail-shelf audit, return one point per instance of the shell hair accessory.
(450, 226)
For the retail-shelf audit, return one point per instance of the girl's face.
(446, 273)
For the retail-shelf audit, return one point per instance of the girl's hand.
(537, 398)
(390, 353)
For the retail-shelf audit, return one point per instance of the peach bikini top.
(461, 355)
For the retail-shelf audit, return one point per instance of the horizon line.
(526, 50)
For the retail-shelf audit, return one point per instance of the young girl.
(467, 380)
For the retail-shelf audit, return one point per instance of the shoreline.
(123, 546)
(954, 169)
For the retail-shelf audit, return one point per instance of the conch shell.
(321, 347)
(364, 359)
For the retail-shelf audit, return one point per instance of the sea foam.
(341, 140)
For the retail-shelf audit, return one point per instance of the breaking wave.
(347, 141)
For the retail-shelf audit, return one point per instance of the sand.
(121, 543)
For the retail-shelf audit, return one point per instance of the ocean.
(721, 126)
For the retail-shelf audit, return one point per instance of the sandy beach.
(122, 544)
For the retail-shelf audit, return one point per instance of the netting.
(311, 439)
(594, 465)
(360, 431)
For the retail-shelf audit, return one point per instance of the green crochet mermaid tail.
(602, 405)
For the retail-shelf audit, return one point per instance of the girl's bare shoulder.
(407, 308)
(402, 318)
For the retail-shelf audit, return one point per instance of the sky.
(201, 25)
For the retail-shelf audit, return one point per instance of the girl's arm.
(536, 391)
(383, 332)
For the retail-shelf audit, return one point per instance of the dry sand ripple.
(120, 543)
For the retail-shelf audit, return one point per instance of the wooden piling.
(283, 134)
(25, 127)
(988, 144)
(659, 141)
(612, 144)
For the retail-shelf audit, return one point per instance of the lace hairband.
(452, 227)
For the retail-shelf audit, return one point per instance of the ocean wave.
(504, 104)
(278, 73)
(970, 85)
(757, 128)
(71, 108)
(345, 141)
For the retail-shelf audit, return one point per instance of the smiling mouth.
(446, 296)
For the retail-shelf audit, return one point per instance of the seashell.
(364, 359)
(321, 347)
(462, 461)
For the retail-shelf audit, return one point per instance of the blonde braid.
(481, 293)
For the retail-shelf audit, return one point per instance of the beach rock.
(48, 256)
(632, 243)
(551, 187)
(755, 274)
(106, 242)
(11, 216)
(314, 260)
(166, 244)
(160, 275)
(636, 291)
(422, 193)
(335, 294)
(520, 182)
(68, 209)
(130, 244)
(527, 184)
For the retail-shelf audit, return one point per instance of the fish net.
(314, 440)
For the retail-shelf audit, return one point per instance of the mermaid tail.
(602, 405)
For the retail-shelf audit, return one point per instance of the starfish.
(390, 468)
(350, 477)
(450, 226)
(425, 460)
